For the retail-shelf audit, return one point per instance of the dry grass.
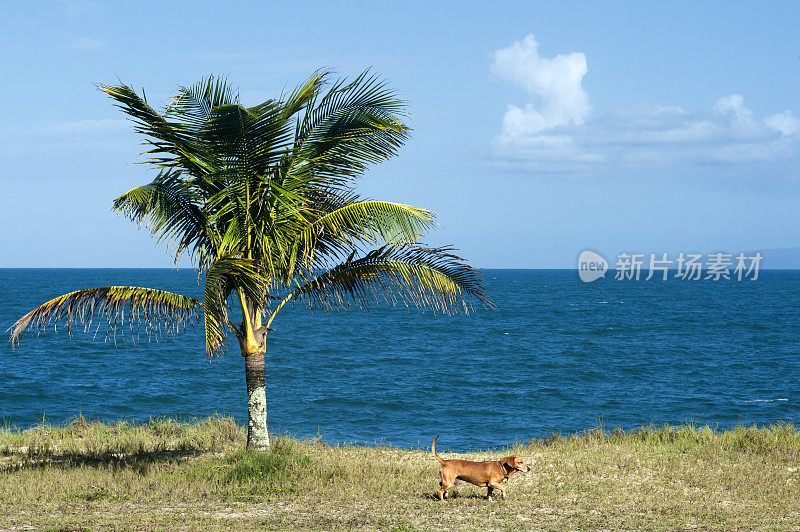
(169, 475)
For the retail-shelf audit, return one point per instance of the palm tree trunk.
(255, 374)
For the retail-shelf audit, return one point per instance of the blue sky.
(540, 129)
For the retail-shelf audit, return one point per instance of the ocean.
(556, 355)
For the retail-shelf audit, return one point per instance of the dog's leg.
(444, 485)
(498, 486)
(489, 491)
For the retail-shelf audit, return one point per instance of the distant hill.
(779, 259)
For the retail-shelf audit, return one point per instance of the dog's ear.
(515, 461)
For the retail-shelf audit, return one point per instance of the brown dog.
(489, 474)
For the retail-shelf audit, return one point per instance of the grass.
(185, 476)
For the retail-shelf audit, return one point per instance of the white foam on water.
(780, 400)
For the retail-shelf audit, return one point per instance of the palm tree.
(262, 200)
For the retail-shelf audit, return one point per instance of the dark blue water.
(556, 355)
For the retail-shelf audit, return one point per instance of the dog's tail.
(433, 450)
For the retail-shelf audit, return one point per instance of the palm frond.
(306, 92)
(249, 140)
(427, 278)
(170, 209)
(158, 311)
(175, 145)
(193, 104)
(352, 126)
(375, 221)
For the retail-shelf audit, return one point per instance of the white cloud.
(553, 84)
(783, 122)
(556, 130)
(733, 106)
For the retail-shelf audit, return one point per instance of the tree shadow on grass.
(139, 461)
(82, 442)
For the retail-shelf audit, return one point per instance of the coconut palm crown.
(262, 200)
